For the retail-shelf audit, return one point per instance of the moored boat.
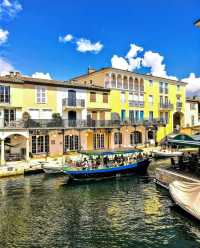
(166, 154)
(52, 167)
(110, 164)
(187, 196)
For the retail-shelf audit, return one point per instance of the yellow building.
(41, 117)
(104, 109)
(153, 105)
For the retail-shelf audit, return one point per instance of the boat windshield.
(108, 160)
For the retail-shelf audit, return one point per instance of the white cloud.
(3, 36)
(152, 60)
(119, 63)
(5, 67)
(133, 51)
(129, 62)
(155, 62)
(10, 8)
(193, 86)
(85, 45)
(66, 38)
(82, 45)
(42, 75)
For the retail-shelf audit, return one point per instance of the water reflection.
(39, 211)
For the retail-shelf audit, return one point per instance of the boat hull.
(137, 168)
(52, 169)
(186, 196)
(159, 155)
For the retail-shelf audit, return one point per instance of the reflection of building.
(192, 112)
(103, 109)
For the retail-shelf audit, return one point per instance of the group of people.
(187, 161)
(108, 162)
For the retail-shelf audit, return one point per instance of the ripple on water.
(37, 211)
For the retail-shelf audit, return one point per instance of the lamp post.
(197, 23)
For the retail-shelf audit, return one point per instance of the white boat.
(52, 167)
(166, 154)
(187, 196)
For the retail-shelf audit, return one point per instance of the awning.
(184, 140)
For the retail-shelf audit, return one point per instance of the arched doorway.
(177, 121)
(16, 148)
(72, 118)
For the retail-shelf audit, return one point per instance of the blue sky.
(164, 27)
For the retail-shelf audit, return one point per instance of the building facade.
(105, 109)
(153, 105)
(192, 112)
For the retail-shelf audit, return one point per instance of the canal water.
(40, 211)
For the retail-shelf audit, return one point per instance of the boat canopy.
(111, 153)
(184, 140)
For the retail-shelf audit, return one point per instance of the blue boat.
(139, 166)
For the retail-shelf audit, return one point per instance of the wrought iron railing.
(65, 123)
(166, 105)
(67, 102)
(136, 103)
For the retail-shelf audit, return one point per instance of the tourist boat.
(138, 166)
(166, 154)
(187, 196)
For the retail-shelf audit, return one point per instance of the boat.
(187, 196)
(52, 167)
(166, 153)
(130, 165)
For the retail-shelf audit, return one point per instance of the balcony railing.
(166, 105)
(66, 102)
(65, 123)
(136, 103)
(179, 105)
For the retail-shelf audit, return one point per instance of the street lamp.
(197, 23)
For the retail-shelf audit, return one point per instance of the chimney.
(90, 70)
(12, 74)
(17, 74)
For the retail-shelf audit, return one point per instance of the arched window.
(135, 138)
(113, 81)
(136, 85)
(130, 83)
(141, 84)
(107, 81)
(125, 83)
(119, 82)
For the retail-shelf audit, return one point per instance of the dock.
(20, 168)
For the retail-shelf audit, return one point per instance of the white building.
(192, 112)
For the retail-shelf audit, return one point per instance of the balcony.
(80, 124)
(179, 105)
(77, 103)
(166, 106)
(136, 103)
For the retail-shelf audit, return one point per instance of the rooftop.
(147, 76)
(17, 78)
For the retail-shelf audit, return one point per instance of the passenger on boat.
(98, 161)
(106, 161)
